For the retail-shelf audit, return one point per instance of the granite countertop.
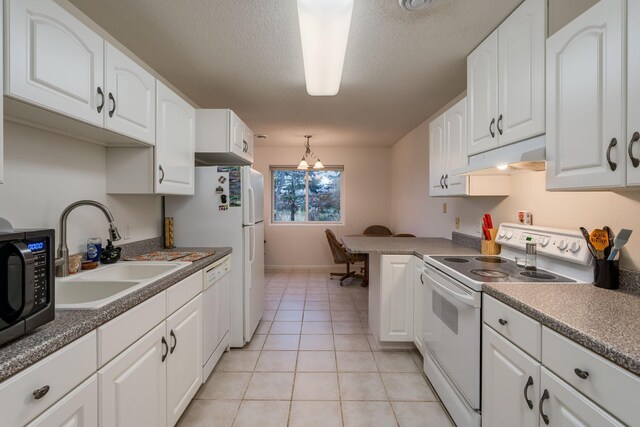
(69, 325)
(606, 322)
(419, 246)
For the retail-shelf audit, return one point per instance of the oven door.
(16, 282)
(451, 328)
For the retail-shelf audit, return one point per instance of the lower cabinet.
(396, 298)
(418, 291)
(78, 408)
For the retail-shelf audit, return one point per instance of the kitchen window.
(307, 196)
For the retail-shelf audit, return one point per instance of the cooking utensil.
(621, 239)
(487, 235)
(585, 234)
(600, 240)
(488, 221)
(612, 236)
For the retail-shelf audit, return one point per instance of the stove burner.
(495, 260)
(538, 275)
(489, 273)
(460, 260)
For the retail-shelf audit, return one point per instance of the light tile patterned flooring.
(311, 363)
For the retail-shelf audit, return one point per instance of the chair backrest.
(404, 235)
(377, 230)
(340, 254)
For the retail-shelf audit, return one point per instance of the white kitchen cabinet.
(1, 103)
(455, 136)
(396, 298)
(510, 383)
(562, 405)
(222, 138)
(78, 408)
(505, 81)
(53, 60)
(184, 363)
(586, 145)
(437, 156)
(633, 93)
(130, 106)
(418, 291)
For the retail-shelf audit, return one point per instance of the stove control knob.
(562, 245)
(509, 234)
(501, 233)
(575, 247)
(544, 242)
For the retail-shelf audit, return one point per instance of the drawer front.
(78, 408)
(183, 292)
(607, 384)
(518, 328)
(124, 330)
(61, 372)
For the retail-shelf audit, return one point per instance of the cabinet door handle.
(545, 396)
(499, 125)
(441, 184)
(101, 106)
(446, 177)
(112, 99)
(41, 392)
(502, 322)
(634, 160)
(526, 394)
(162, 172)
(421, 279)
(166, 349)
(491, 131)
(612, 164)
(175, 341)
(582, 374)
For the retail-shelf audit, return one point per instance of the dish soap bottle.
(110, 254)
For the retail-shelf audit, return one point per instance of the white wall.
(367, 184)
(45, 172)
(415, 212)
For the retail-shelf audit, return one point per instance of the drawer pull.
(41, 392)
(526, 396)
(166, 349)
(545, 396)
(502, 322)
(175, 341)
(582, 374)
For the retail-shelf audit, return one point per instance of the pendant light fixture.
(324, 30)
(308, 154)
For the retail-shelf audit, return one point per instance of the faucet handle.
(114, 233)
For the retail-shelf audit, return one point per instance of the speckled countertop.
(70, 325)
(419, 246)
(604, 321)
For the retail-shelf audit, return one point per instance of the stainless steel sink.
(91, 290)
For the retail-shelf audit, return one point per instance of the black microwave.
(26, 281)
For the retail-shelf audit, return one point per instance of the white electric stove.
(452, 306)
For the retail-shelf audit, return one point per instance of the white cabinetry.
(633, 93)
(437, 156)
(222, 138)
(505, 81)
(215, 314)
(418, 292)
(78, 408)
(396, 297)
(1, 103)
(586, 145)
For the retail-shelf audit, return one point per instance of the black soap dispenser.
(110, 254)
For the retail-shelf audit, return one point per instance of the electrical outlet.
(127, 231)
(444, 208)
(457, 223)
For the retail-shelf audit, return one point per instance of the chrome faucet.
(62, 261)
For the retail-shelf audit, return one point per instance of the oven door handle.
(462, 297)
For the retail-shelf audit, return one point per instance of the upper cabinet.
(448, 153)
(505, 81)
(586, 93)
(222, 138)
(633, 94)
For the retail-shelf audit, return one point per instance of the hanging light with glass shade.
(309, 155)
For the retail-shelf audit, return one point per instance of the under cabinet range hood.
(529, 155)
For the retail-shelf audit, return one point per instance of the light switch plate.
(444, 208)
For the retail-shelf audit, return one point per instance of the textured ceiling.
(400, 67)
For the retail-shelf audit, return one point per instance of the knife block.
(490, 247)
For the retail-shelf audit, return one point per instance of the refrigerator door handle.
(252, 207)
(252, 242)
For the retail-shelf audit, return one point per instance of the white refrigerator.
(227, 210)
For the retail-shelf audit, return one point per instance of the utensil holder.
(606, 275)
(168, 233)
(490, 247)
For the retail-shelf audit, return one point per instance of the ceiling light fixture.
(324, 30)
(414, 5)
(502, 167)
(308, 154)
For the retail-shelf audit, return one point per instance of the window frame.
(305, 223)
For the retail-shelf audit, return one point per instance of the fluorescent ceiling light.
(502, 167)
(324, 30)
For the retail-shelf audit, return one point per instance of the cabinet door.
(396, 297)
(565, 406)
(509, 377)
(482, 95)
(418, 292)
(236, 133)
(1, 103)
(248, 138)
(133, 387)
(78, 408)
(175, 143)
(633, 92)
(585, 101)
(437, 153)
(131, 97)
(184, 364)
(456, 148)
(54, 61)
(521, 55)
